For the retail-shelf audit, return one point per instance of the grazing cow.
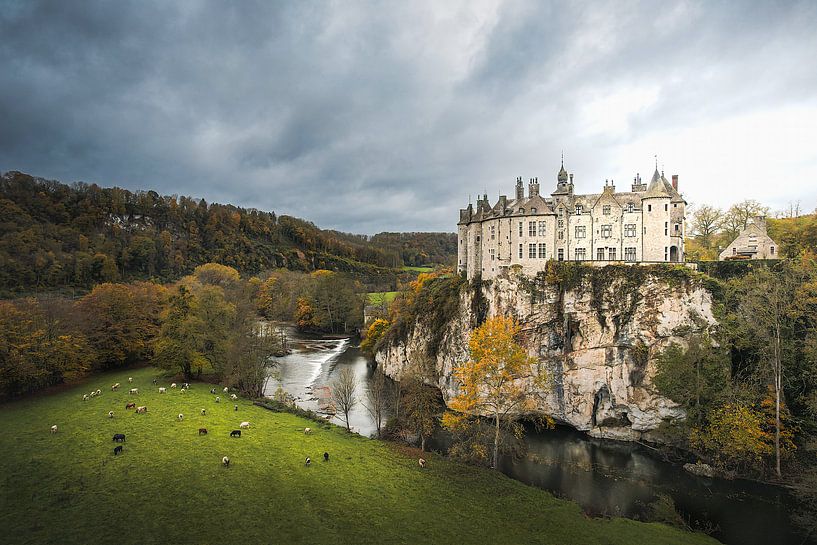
(110, 414)
(134, 390)
(233, 397)
(54, 428)
(162, 390)
(235, 407)
(115, 387)
(130, 379)
(155, 382)
(204, 412)
(180, 417)
(422, 462)
(235, 433)
(186, 385)
(212, 390)
(117, 450)
(141, 410)
(325, 456)
(225, 462)
(244, 425)
(92, 394)
(119, 437)
(308, 461)
(226, 389)
(183, 390)
(173, 385)
(99, 392)
(307, 431)
(84, 397)
(130, 406)
(218, 399)
(202, 431)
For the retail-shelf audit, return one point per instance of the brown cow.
(130, 406)
(202, 431)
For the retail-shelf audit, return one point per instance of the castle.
(645, 225)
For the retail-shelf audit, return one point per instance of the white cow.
(162, 390)
(54, 428)
(244, 425)
(203, 412)
(173, 385)
(307, 431)
(226, 389)
(130, 379)
(134, 390)
(233, 397)
(181, 417)
(225, 461)
(110, 414)
(115, 387)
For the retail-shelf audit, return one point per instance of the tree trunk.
(496, 442)
(777, 388)
(347, 420)
(423, 443)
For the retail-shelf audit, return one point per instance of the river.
(604, 477)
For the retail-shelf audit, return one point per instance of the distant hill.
(54, 235)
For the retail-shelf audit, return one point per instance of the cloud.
(386, 116)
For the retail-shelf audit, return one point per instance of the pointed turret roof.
(562, 177)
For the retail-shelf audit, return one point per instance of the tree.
(217, 275)
(421, 405)
(343, 393)
(737, 217)
(734, 434)
(499, 380)
(374, 333)
(705, 223)
(377, 399)
(249, 360)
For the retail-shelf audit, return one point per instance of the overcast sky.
(372, 116)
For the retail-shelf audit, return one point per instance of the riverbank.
(168, 486)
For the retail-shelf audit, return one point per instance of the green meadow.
(169, 486)
(380, 297)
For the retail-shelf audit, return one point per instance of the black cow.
(308, 461)
(120, 437)
(325, 456)
(212, 390)
(117, 450)
(235, 433)
(202, 431)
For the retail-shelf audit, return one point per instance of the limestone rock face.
(598, 341)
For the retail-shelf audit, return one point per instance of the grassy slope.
(379, 297)
(417, 269)
(169, 485)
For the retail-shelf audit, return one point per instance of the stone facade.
(752, 243)
(642, 225)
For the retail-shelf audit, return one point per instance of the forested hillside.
(55, 235)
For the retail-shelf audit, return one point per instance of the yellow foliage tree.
(735, 434)
(373, 334)
(499, 380)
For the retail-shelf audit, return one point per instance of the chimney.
(533, 187)
(503, 203)
(520, 189)
(675, 182)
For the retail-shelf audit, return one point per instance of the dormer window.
(630, 207)
(605, 209)
(578, 209)
(532, 210)
(521, 210)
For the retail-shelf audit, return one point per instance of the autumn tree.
(377, 399)
(734, 435)
(705, 224)
(499, 380)
(374, 333)
(421, 406)
(343, 393)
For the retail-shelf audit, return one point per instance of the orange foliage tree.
(499, 380)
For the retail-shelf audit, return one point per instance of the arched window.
(532, 210)
(521, 210)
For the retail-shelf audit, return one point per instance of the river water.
(604, 477)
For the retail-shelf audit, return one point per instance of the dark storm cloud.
(378, 116)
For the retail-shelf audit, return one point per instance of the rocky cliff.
(598, 331)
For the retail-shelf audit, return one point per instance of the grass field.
(379, 297)
(169, 486)
(417, 269)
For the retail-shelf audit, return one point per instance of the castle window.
(630, 207)
(677, 227)
(666, 207)
(675, 205)
(581, 231)
(521, 210)
(493, 232)
(666, 250)
(520, 228)
(520, 251)
(600, 254)
(629, 254)
(532, 251)
(771, 250)
(734, 250)
(542, 251)
(532, 210)
(666, 228)
(561, 223)
(561, 211)
(605, 209)
(629, 229)
(578, 209)
(561, 235)
(561, 254)
(542, 225)
(649, 208)
(492, 253)
(612, 254)
(581, 254)
(477, 238)
(531, 228)
(606, 231)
